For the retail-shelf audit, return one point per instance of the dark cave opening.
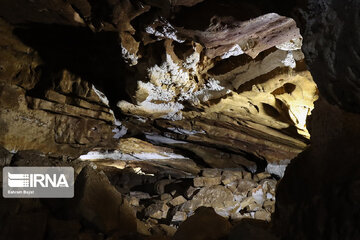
(94, 57)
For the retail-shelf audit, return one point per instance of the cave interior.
(182, 119)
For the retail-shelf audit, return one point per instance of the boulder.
(211, 172)
(190, 192)
(244, 186)
(177, 201)
(157, 210)
(203, 225)
(165, 197)
(207, 181)
(217, 197)
(101, 204)
(179, 217)
(229, 176)
(252, 229)
(25, 225)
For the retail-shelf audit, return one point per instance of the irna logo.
(36, 180)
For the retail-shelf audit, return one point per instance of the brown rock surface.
(144, 156)
(157, 210)
(244, 186)
(231, 94)
(177, 201)
(228, 91)
(217, 197)
(230, 99)
(231, 176)
(224, 90)
(101, 204)
(21, 226)
(55, 124)
(204, 224)
(306, 199)
(206, 181)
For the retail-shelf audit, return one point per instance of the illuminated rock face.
(241, 86)
(220, 83)
(237, 89)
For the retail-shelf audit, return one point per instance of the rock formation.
(56, 113)
(243, 81)
(180, 117)
(309, 198)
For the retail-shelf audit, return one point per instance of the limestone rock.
(101, 204)
(230, 176)
(160, 185)
(224, 96)
(250, 204)
(263, 215)
(244, 186)
(139, 154)
(198, 181)
(157, 210)
(190, 192)
(177, 201)
(232, 186)
(207, 181)
(230, 98)
(169, 230)
(217, 197)
(179, 217)
(165, 197)
(211, 172)
(261, 176)
(332, 138)
(142, 228)
(204, 224)
(173, 193)
(53, 123)
(133, 201)
(256, 88)
(269, 185)
(140, 195)
(259, 195)
(247, 176)
(215, 157)
(269, 206)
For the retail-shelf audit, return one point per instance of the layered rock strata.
(56, 113)
(233, 85)
(250, 87)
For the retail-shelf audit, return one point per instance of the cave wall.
(221, 83)
(47, 108)
(318, 197)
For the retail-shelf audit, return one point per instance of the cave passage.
(187, 119)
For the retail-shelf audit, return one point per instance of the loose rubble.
(120, 202)
(233, 193)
